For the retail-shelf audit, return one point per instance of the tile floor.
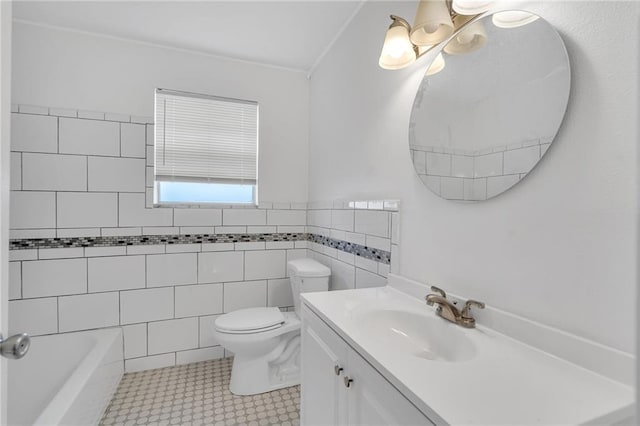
(197, 394)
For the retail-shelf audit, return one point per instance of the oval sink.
(422, 336)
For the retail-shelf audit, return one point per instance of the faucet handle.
(466, 311)
(439, 291)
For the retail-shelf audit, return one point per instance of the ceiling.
(290, 34)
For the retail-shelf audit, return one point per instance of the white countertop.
(507, 382)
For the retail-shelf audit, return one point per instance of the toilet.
(265, 341)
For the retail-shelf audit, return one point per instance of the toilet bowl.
(265, 341)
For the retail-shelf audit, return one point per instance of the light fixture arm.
(400, 21)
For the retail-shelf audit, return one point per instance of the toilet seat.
(251, 320)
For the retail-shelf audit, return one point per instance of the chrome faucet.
(449, 311)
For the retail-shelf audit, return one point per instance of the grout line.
(87, 171)
(21, 171)
(58, 314)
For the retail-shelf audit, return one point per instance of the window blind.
(205, 139)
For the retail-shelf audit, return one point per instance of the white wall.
(66, 69)
(560, 246)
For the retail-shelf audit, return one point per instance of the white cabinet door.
(323, 399)
(372, 400)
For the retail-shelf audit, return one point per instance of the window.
(205, 149)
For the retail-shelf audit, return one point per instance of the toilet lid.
(250, 319)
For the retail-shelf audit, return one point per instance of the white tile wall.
(368, 264)
(92, 115)
(342, 275)
(32, 210)
(366, 279)
(372, 222)
(15, 280)
(34, 133)
(343, 220)
(88, 311)
(132, 140)
(16, 171)
(279, 293)
(34, 316)
(116, 174)
(206, 331)
(135, 340)
(432, 182)
(172, 269)
(105, 251)
(462, 166)
(378, 243)
(420, 161)
(54, 172)
(264, 264)
(197, 217)
(60, 253)
(197, 300)
(244, 217)
(149, 362)
(216, 267)
(146, 305)
(187, 286)
(250, 245)
(488, 165)
(197, 355)
(41, 278)
(499, 184)
(173, 335)
(438, 164)
(452, 188)
(286, 217)
(521, 160)
(475, 189)
(85, 209)
(132, 212)
(91, 137)
(116, 273)
(321, 218)
(246, 294)
(373, 225)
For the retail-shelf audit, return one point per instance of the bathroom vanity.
(380, 356)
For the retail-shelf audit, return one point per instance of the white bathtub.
(65, 379)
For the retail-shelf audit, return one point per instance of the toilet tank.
(307, 275)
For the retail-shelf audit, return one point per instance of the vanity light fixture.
(432, 24)
(435, 21)
(437, 65)
(472, 38)
(471, 7)
(397, 51)
(513, 18)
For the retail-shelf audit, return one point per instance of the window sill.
(205, 205)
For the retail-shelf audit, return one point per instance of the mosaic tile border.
(381, 256)
(138, 240)
(377, 255)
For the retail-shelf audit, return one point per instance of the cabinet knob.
(337, 369)
(347, 381)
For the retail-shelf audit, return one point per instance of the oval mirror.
(489, 106)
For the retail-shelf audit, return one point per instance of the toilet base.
(277, 370)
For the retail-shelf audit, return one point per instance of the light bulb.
(471, 7)
(469, 36)
(432, 23)
(513, 18)
(397, 51)
(437, 65)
